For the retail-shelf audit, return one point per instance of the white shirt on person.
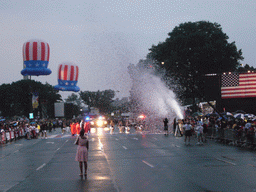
(247, 125)
(187, 127)
(199, 129)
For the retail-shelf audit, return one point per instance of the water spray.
(153, 97)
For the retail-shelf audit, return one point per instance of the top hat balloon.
(36, 55)
(67, 78)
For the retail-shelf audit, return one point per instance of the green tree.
(192, 50)
(98, 99)
(77, 101)
(246, 68)
(16, 98)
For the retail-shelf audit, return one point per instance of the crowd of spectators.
(13, 130)
(230, 130)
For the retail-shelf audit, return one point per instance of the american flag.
(235, 85)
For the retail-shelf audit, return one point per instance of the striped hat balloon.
(36, 55)
(67, 77)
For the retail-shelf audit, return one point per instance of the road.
(125, 162)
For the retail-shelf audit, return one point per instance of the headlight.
(92, 123)
(100, 123)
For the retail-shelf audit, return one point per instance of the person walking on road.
(165, 126)
(73, 128)
(82, 152)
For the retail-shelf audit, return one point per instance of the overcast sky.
(103, 36)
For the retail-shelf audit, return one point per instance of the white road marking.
(150, 165)
(135, 138)
(117, 139)
(66, 141)
(124, 147)
(50, 142)
(41, 167)
(58, 149)
(16, 151)
(225, 161)
(52, 136)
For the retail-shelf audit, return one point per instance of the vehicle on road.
(98, 122)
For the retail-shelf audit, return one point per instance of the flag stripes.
(234, 85)
(68, 72)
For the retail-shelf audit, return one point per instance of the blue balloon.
(36, 68)
(65, 85)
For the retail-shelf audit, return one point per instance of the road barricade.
(12, 136)
(3, 137)
(7, 136)
(240, 138)
(22, 132)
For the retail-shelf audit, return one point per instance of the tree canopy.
(16, 98)
(194, 49)
(98, 99)
(246, 68)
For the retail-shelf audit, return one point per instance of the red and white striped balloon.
(36, 50)
(68, 72)
(67, 77)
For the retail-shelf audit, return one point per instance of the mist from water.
(153, 97)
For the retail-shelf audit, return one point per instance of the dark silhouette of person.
(166, 126)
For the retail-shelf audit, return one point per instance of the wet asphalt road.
(125, 162)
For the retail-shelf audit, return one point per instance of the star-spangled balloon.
(36, 54)
(67, 77)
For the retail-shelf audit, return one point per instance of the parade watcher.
(82, 151)
(43, 128)
(187, 128)
(199, 129)
(205, 131)
(174, 124)
(223, 125)
(165, 126)
(27, 132)
(249, 132)
(247, 126)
